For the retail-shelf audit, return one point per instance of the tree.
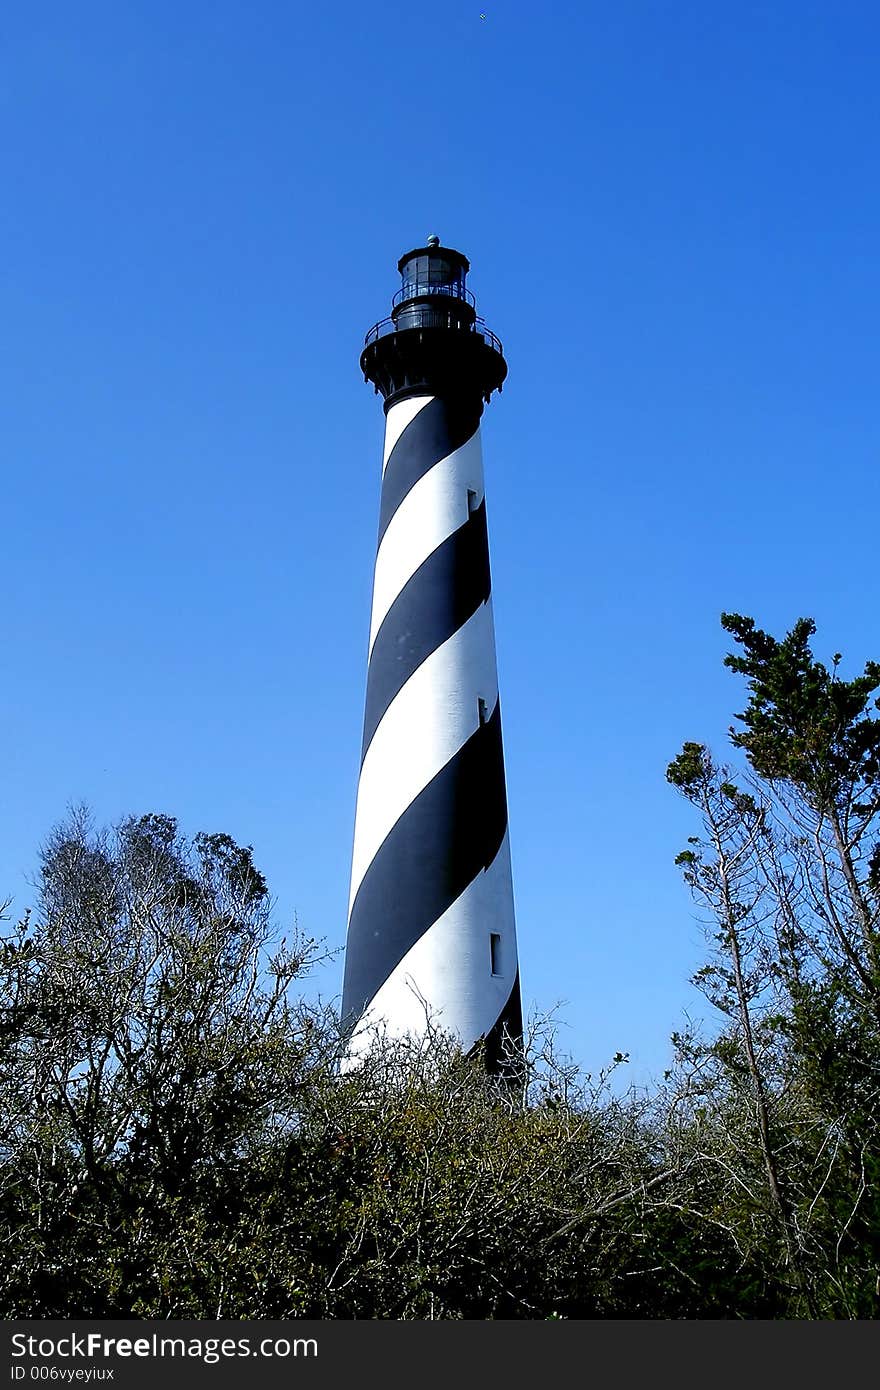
(150, 1045)
(722, 868)
(180, 1142)
(787, 868)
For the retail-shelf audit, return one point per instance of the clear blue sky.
(672, 214)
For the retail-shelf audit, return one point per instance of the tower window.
(482, 711)
(495, 952)
(473, 504)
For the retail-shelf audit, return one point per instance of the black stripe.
(502, 1045)
(440, 427)
(436, 601)
(450, 833)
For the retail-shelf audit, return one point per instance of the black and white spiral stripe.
(431, 922)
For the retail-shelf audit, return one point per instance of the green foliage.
(803, 723)
(179, 1139)
(786, 874)
(691, 768)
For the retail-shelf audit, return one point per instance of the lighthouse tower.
(431, 931)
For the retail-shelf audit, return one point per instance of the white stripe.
(435, 507)
(430, 718)
(397, 419)
(445, 977)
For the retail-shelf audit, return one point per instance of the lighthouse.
(431, 930)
